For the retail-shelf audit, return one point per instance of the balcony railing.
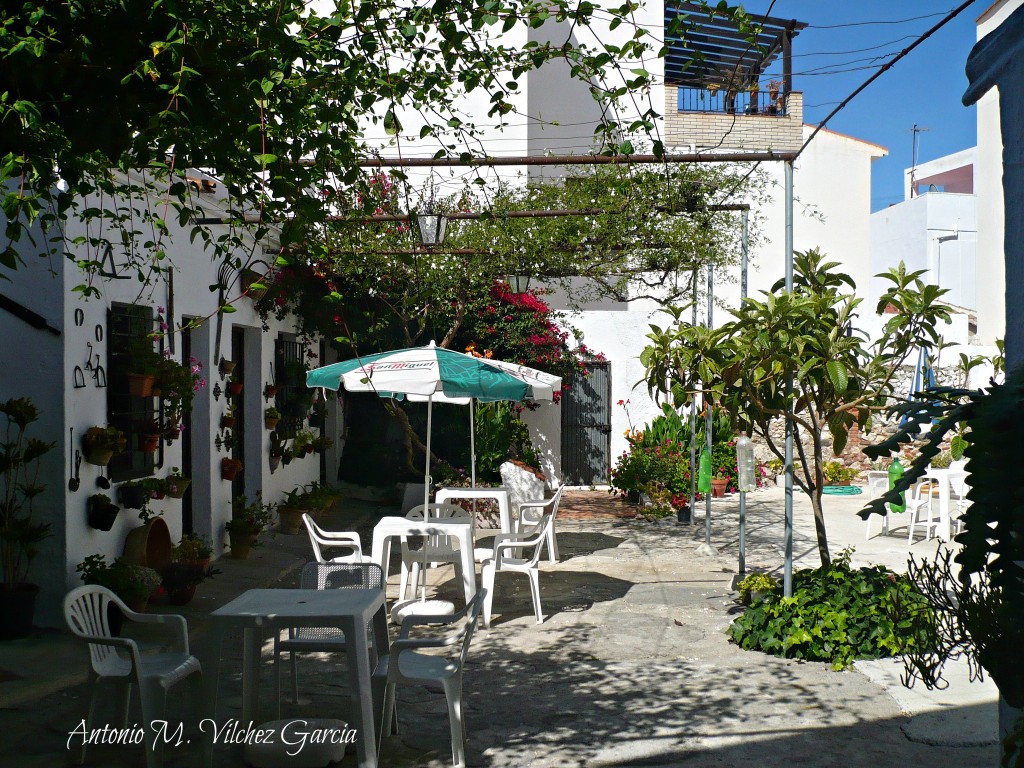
(720, 101)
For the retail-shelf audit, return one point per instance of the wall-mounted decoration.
(78, 377)
(79, 317)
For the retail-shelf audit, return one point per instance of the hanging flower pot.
(226, 367)
(229, 468)
(149, 442)
(249, 279)
(102, 512)
(275, 462)
(140, 384)
(132, 495)
(234, 388)
(99, 444)
(227, 422)
(177, 485)
(271, 422)
(270, 391)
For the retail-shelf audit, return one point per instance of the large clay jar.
(149, 544)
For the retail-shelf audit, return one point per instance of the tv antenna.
(913, 156)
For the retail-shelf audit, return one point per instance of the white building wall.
(45, 372)
(988, 186)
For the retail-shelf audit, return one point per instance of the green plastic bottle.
(704, 472)
(895, 473)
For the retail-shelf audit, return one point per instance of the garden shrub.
(659, 456)
(837, 614)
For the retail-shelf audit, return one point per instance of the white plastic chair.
(532, 512)
(506, 561)
(406, 665)
(323, 639)
(321, 540)
(119, 659)
(439, 549)
(958, 492)
(922, 511)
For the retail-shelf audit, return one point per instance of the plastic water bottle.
(895, 473)
(745, 463)
(704, 473)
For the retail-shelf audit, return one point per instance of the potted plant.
(269, 392)
(149, 436)
(102, 512)
(254, 285)
(271, 416)
(229, 468)
(100, 444)
(719, 483)
(148, 544)
(227, 420)
(192, 549)
(234, 387)
(322, 443)
(754, 587)
(132, 495)
(753, 89)
(775, 103)
(178, 384)
(248, 521)
(20, 536)
(296, 502)
(131, 582)
(837, 474)
(302, 443)
(145, 365)
(226, 366)
(180, 579)
(176, 483)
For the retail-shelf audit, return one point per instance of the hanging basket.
(98, 456)
(234, 388)
(226, 366)
(132, 496)
(102, 516)
(271, 422)
(227, 422)
(275, 462)
(149, 442)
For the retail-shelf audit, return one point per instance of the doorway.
(587, 427)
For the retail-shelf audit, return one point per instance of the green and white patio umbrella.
(436, 374)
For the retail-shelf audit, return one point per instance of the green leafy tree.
(809, 335)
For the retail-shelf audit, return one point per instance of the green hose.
(841, 490)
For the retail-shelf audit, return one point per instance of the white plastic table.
(499, 494)
(460, 529)
(350, 610)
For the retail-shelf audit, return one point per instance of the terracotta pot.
(229, 468)
(226, 367)
(270, 391)
(234, 388)
(718, 488)
(132, 496)
(149, 442)
(291, 520)
(227, 422)
(140, 384)
(149, 544)
(181, 595)
(270, 423)
(99, 456)
(241, 544)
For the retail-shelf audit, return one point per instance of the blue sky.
(924, 87)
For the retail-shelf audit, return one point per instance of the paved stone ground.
(630, 668)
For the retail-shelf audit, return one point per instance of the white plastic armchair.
(532, 512)
(321, 540)
(119, 658)
(437, 549)
(507, 546)
(406, 665)
(921, 511)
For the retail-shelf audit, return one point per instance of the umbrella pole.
(426, 501)
(472, 444)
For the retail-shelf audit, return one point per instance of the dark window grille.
(128, 326)
(720, 101)
(290, 391)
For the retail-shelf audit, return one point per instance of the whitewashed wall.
(42, 365)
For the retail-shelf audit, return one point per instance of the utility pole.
(913, 156)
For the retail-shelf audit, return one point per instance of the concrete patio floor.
(631, 666)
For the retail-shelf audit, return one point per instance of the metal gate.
(586, 427)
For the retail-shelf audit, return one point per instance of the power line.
(884, 68)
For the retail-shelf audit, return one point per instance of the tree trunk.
(410, 440)
(819, 527)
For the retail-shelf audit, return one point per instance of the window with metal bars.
(128, 328)
(292, 398)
